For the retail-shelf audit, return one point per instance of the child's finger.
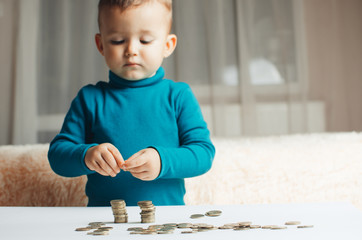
(99, 170)
(141, 175)
(139, 169)
(117, 155)
(134, 161)
(110, 165)
(95, 166)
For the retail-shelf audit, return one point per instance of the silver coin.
(268, 226)
(254, 226)
(241, 228)
(213, 213)
(188, 232)
(135, 229)
(244, 224)
(97, 223)
(226, 226)
(148, 232)
(292, 223)
(83, 229)
(99, 233)
(278, 227)
(184, 225)
(165, 231)
(170, 224)
(105, 228)
(196, 216)
(305, 226)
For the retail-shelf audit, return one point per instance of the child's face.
(135, 42)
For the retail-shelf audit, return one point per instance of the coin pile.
(119, 211)
(152, 229)
(95, 228)
(212, 213)
(148, 211)
(189, 228)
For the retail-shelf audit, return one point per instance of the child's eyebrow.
(114, 32)
(111, 32)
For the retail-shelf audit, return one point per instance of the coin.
(118, 202)
(101, 230)
(148, 232)
(99, 233)
(305, 226)
(278, 227)
(105, 228)
(227, 226)
(187, 232)
(292, 223)
(244, 224)
(155, 227)
(169, 231)
(145, 203)
(268, 226)
(213, 213)
(97, 223)
(254, 226)
(82, 229)
(241, 228)
(195, 216)
(135, 229)
(170, 224)
(184, 225)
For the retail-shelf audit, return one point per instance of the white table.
(330, 220)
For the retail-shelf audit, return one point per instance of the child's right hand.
(105, 159)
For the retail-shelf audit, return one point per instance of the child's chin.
(134, 77)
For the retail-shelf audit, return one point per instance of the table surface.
(330, 220)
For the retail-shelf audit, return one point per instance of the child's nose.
(131, 49)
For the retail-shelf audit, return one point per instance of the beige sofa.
(283, 169)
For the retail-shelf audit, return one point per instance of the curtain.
(246, 62)
(244, 59)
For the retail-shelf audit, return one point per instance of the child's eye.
(145, 41)
(117, 42)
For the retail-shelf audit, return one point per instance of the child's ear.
(99, 43)
(170, 45)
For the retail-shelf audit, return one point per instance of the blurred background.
(257, 67)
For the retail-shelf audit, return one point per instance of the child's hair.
(124, 4)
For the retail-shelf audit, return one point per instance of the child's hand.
(145, 164)
(105, 159)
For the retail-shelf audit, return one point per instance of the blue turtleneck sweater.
(133, 115)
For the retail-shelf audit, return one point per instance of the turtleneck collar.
(119, 82)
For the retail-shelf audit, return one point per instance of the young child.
(139, 135)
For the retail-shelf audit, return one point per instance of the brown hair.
(125, 4)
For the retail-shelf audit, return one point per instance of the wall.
(334, 39)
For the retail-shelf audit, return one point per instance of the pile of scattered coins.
(148, 216)
(95, 228)
(187, 228)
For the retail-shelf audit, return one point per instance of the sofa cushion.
(26, 179)
(283, 169)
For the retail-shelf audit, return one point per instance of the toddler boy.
(153, 123)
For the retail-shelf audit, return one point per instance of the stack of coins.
(148, 211)
(119, 211)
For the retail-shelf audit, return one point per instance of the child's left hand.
(145, 164)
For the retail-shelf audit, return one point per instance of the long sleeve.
(196, 152)
(68, 148)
